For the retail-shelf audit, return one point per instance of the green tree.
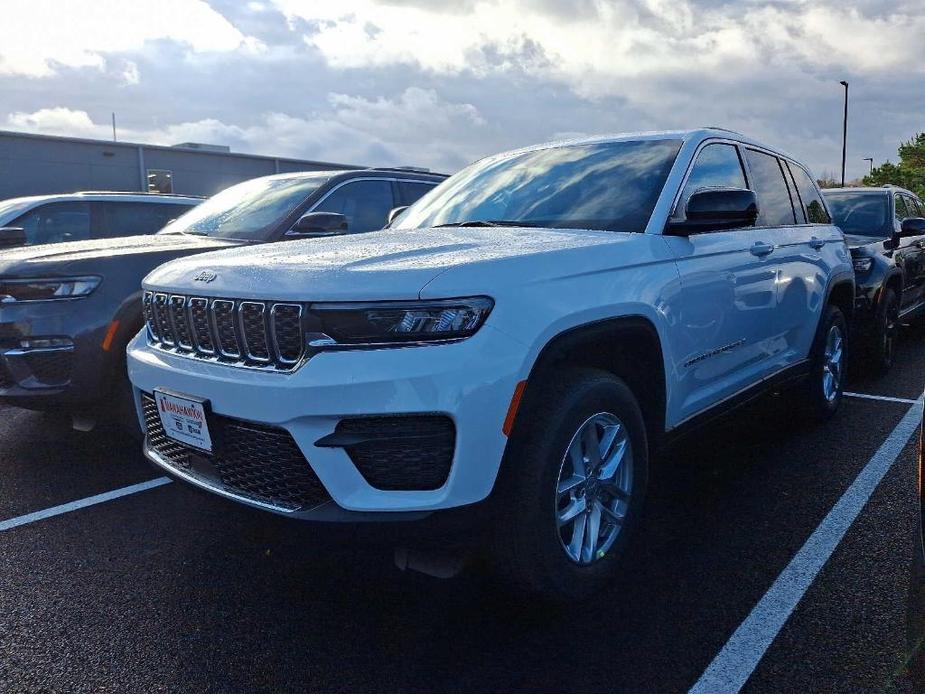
(908, 173)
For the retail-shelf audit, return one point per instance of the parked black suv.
(68, 310)
(885, 230)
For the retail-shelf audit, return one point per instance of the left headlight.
(12, 291)
(862, 265)
(394, 323)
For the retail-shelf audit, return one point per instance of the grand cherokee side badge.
(205, 276)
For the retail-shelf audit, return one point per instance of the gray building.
(43, 164)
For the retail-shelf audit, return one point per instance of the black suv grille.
(411, 452)
(53, 368)
(254, 461)
(252, 333)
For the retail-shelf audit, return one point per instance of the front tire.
(574, 484)
(883, 341)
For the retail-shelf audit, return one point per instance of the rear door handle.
(816, 243)
(761, 248)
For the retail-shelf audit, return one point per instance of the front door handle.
(816, 243)
(761, 248)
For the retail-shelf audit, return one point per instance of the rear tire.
(566, 513)
(821, 392)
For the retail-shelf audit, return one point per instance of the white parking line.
(735, 663)
(884, 398)
(83, 503)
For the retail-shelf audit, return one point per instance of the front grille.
(411, 452)
(52, 368)
(252, 333)
(253, 461)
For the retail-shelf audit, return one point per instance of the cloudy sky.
(439, 83)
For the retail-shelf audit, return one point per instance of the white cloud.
(56, 121)
(38, 35)
(352, 130)
(611, 47)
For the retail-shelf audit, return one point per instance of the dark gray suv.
(67, 311)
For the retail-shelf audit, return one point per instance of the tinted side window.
(809, 196)
(912, 206)
(411, 192)
(717, 166)
(901, 211)
(366, 204)
(56, 222)
(133, 218)
(774, 206)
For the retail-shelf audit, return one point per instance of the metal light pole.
(844, 137)
(870, 160)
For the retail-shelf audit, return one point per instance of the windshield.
(10, 209)
(250, 210)
(609, 186)
(861, 214)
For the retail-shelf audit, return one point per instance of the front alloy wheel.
(572, 485)
(594, 488)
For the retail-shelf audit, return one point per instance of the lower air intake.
(253, 461)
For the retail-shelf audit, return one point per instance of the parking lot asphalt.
(173, 590)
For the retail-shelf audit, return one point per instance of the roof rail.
(132, 192)
(408, 169)
(725, 130)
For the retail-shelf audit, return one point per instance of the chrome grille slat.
(147, 309)
(252, 315)
(226, 334)
(240, 332)
(286, 332)
(201, 326)
(180, 322)
(163, 319)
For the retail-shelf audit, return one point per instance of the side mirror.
(319, 224)
(912, 226)
(393, 215)
(712, 209)
(11, 237)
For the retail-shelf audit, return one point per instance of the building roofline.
(167, 148)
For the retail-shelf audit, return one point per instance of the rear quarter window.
(808, 196)
(767, 180)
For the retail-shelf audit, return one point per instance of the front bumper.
(48, 376)
(470, 382)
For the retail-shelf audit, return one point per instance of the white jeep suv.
(526, 333)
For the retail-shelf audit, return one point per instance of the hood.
(382, 265)
(88, 256)
(855, 243)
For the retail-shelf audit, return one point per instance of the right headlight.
(12, 291)
(862, 265)
(396, 322)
